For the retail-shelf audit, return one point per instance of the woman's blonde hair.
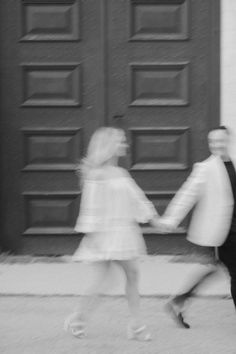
(102, 147)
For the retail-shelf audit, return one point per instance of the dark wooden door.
(69, 66)
(163, 89)
(51, 102)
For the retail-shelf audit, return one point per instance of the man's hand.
(162, 225)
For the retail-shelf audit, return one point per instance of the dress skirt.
(120, 244)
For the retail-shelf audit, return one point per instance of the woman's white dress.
(111, 207)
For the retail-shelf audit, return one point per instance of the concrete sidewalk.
(34, 325)
(160, 276)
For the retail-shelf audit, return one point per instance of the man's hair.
(221, 127)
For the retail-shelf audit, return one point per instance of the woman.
(112, 205)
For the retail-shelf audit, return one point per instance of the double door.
(70, 66)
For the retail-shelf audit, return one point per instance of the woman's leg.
(131, 271)
(136, 330)
(89, 300)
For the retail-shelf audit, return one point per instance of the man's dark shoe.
(176, 314)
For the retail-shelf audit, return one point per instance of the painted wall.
(228, 67)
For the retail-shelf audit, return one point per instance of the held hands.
(163, 225)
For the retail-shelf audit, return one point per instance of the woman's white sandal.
(139, 334)
(76, 328)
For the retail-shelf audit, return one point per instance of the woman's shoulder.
(108, 172)
(116, 172)
(95, 175)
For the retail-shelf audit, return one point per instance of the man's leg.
(196, 281)
(227, 255)
(233, 287)
(207, 268)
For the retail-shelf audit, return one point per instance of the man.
(211, 190)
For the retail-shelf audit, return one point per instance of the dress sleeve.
(90, 213)
(143, 209)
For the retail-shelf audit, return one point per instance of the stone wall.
(228, 67)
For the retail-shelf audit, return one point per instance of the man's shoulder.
(206, 162)
(201, 164)
(200, 168)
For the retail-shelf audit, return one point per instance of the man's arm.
(186, 197)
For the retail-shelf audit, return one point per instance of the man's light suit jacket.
(208, 190)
